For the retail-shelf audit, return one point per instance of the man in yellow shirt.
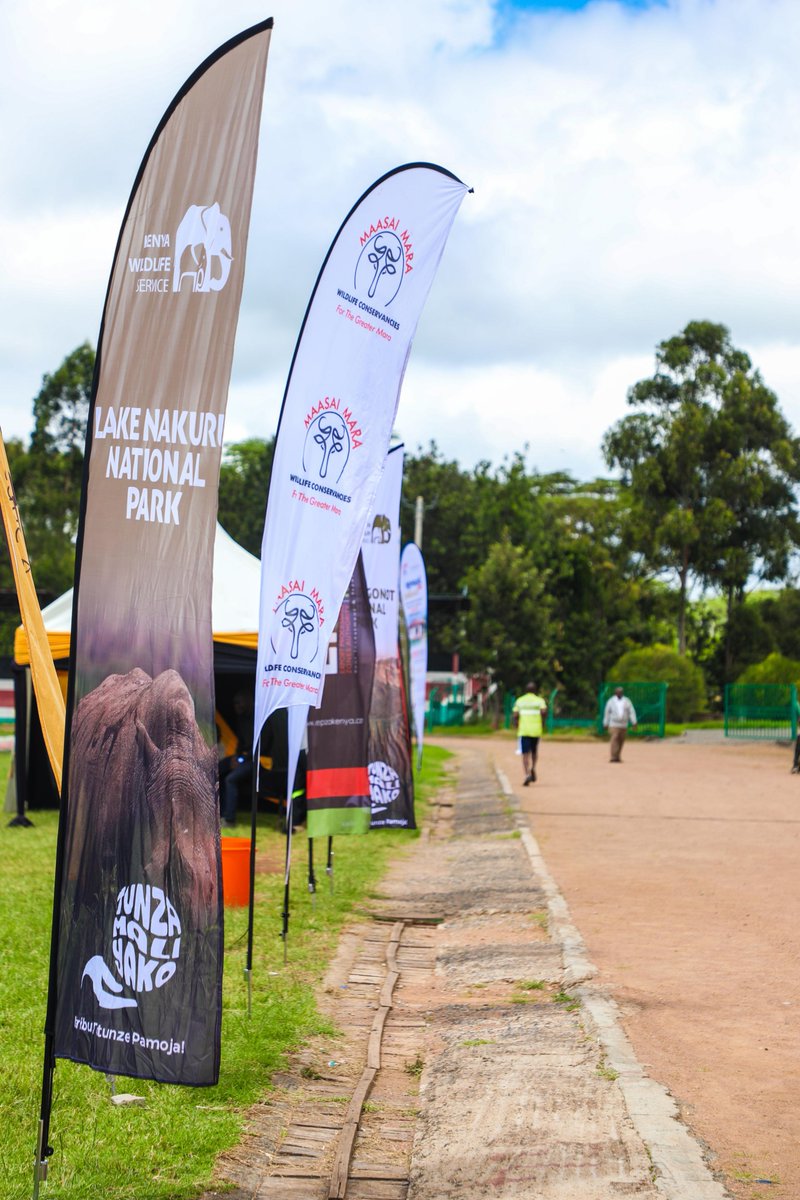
(528, 712)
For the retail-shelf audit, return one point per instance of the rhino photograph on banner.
(336, 422)
(390, 775)
(139, 933)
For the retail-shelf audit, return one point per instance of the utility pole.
(418, 510)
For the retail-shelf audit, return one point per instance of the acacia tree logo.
(381, 529)
(299, 628)
(326, 449)
(380, 268)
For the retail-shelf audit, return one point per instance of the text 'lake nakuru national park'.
(163, 460)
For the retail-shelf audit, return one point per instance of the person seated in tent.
(236, 767)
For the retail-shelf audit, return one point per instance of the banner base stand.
(40, 1165)
(23, 822)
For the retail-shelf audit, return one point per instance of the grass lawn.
(166, 1149)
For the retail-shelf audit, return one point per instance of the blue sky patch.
(571, 5)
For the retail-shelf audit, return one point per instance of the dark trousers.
(230, 780)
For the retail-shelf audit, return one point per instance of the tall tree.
(49, 489)
(47, 480)
(448, 493)
(508, 625)
(243, 486)
(604, 600)
(61, 408)
(710, 462)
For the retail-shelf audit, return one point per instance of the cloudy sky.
(636, 165)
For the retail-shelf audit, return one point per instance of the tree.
(780, 612)
(508, 623)
(775, 668)
(448, 494)
(243, 488)
(47, 478)
(660, 664)
(602, 596)
(49, 483)
(710, 463)
(9, 618)
(61, 408)
(756, 468)
(604, 600)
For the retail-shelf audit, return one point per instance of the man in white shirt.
(619, 713)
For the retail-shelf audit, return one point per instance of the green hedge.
(775, 668)
(686, 693)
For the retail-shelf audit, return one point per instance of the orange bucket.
(235, 870)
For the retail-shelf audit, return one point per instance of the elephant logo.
(203, 249)
(380, 268)
(298, 632)
(327, 447)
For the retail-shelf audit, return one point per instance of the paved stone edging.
(683, 1173)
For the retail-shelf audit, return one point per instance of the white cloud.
(633, 170)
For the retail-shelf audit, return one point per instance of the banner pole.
(248, 970)
(288, 867)
(312, 879)
(329, 864)
(296, 717)
(18, 765)
(43, 1149)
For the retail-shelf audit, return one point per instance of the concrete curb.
(676, 1155)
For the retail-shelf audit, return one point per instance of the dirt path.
(528, 1090)
(680, 868)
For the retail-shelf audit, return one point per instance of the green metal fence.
(445, 709)
(649, 700)
(761, 710)
(554, 722)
